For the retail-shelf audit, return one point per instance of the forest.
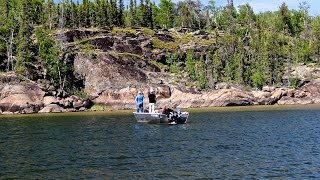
(251, 49)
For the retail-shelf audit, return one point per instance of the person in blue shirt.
(139, 101)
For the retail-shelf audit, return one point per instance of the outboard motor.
(173, 116)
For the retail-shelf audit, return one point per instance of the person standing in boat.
(152, 100)
(139, 101)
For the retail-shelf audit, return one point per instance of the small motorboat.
(176, 117)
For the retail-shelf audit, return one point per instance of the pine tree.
(50, 14)
(121, 13)
(86, 13)
(74, 15)
(79, 18)
(142, 14)
(132, 14)
(149, 14)
(92, 14)
(136, 14)
(105, 13)
(166, 14)
(99, 13)
(24, 45)
(113, 12)
(48, 53)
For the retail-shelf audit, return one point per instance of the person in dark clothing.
(152, 101)
(167, 111)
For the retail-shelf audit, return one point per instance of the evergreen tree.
(142, 14)
(92, 14)
(166, 14)
(24, 44)
(149, 14)
(121, 13)
(154, 15)
(99, 13)
(79, 18)
(48, 52)
(86, 13)
(132, 14)
(74, 15)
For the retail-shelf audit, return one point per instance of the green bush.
(80, 93)
(294, 82)
(174, 68)
(257, 80)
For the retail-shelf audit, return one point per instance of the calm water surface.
(228, 144)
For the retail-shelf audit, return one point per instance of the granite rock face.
(119, 65)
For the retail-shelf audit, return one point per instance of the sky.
(271, 5)
(263, 5)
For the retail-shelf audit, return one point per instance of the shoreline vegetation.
(75, 56)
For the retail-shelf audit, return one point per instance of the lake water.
(228, 143)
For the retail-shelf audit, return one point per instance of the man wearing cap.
(152, 100)
(139, 101)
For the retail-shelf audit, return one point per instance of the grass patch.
(122, 31)
(83, 41)
(131, 55)
(159, 65)
(174, 69)
(100, 107)
(88, 48)
(176, 36)
(206, 42)
(147, 31)
(187, 38)
(158, 44)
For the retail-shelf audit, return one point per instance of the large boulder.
(268, 88)
(223, 97)
(49, 100)
(164, 37)
(313, 88)
(14, 98)
(262, 97)
(104, 43)
(277, 94)
(52, 108)
(131, 46)
(292, 101)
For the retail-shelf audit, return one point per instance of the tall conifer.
(24, 46)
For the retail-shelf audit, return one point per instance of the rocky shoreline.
(110, 68)
(22, 96)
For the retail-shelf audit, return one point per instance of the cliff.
(111, 66)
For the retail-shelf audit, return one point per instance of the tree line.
(251, 48)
